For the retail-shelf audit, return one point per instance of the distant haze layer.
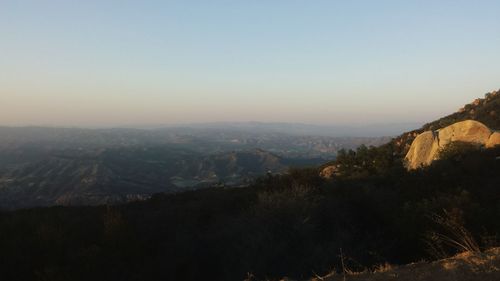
(127, 63)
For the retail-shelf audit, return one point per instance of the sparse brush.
(454, 235)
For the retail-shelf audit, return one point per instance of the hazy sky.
(82, 63)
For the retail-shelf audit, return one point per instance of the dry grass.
(452, 234)
(468, 266)
(383, 268)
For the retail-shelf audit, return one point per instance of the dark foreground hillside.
(293, 225)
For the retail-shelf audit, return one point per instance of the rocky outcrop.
(329, 172)
(426, 146)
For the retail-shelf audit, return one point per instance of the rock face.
(426, 146)
(465, 131)
(329, 172)
(493, 140)
(422, 150)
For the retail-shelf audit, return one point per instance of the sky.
(128, 63)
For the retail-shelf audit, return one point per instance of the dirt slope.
(463, 267)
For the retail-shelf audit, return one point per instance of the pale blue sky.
(82, 63)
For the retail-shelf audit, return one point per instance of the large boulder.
(426, 146)
(329, 172)
(423, 150)
(494, 140)
(465, 131)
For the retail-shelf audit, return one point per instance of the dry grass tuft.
(383, 267)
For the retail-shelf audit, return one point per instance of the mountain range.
(73, 166)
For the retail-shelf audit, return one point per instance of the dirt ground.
(463, 267)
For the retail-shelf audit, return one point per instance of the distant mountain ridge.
(205, 140)
(118, 175)
(73, 166)
(300, 129)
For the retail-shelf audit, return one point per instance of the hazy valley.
(56, 166)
